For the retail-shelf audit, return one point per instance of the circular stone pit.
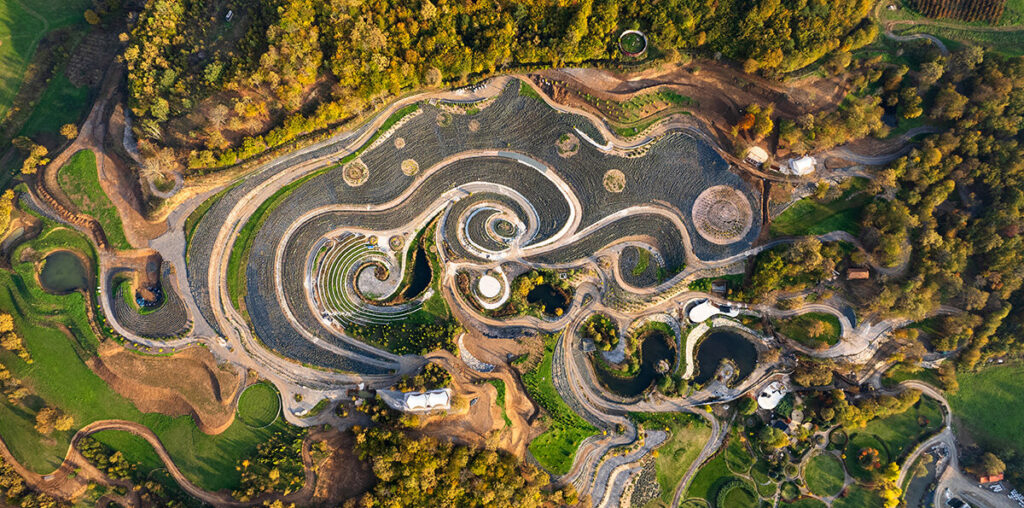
(355, 173)
(489, 287)
(722, 215)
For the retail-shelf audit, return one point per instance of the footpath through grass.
(556, 447)
(60, 377)
(990, 403)
(79, 179)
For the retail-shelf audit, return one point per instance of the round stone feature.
(489, 286)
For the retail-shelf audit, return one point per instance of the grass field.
(737, 458)
(893, 436)
(900, 373)
(798, 327)
(737, 495)
(706, 482)
(556, 447)
(22, 25)
(1009, 43)
(259, 405)
(812, 217)
(80, 181)
(61, 103)
(858, 497)
(499, 400)
(687, 438)
(807, 502)
(824, 475)
(991, 406)
(59, 376)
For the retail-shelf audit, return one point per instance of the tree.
(69, 131)
(746, 405)
(988, 465)
(46, 419)
(772, 438)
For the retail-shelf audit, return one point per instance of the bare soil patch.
(614, 181)
(189, 382)
(342, 475)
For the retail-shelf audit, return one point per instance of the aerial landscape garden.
(588, 253)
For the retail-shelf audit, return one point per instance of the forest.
(213, 89)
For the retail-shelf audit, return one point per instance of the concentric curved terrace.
(499, 163)
(336, 276)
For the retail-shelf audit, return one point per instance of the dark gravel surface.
(672, 174)
(628, 261)
(170, 320)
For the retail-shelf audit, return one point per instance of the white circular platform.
(488, 286)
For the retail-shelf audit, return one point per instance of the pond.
(655, 345)
(421, 275)
(550, 297)
(63, 272)
(722, 344)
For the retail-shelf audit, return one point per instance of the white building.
(799, 167)
(415, 402)
(772, 394)
(757, 155)
(706, 310)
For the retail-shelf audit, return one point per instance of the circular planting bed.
(399, 143)
(824, 475)
(443, 119)
(736, 494)
(789, 491)
(614, 181)
(474, 125)
(568, 145)
(410, 167)
(633, 42)
(356, 173)
(259, 405)
(865, 453)
(722, 215)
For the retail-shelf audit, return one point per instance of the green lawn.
(824, 475)
(1009, 43)
(687, 438)
(556, 447)
(807, 502)
(893, 436)
(798, 328)
(990, 404)
(259, 405)
(737, 494)
(79, 179)
(900, 373)
(61, 103)
(766, 487)
(812, 217)
(706, 482)
(858, 497)
(59, 376)
(499, 400)
(737, 457)
(22, 25)
(1013, 13)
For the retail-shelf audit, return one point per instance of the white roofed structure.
(412, 402)
(799, 167)
(706, 310)
(772, 394)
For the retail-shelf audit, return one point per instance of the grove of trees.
(218, 91)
